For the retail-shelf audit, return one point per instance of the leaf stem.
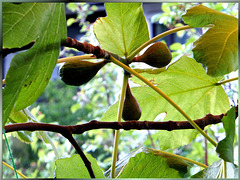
(225, 170)
(76, 58)
(181, 157)
(10, 167)
(165, 97)
(226, 81)
(119, 117)
(134, 53)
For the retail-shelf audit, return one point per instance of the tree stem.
(119, 117)
(181, 157)
(76, 58)
(225, 169)
(164, 96)
(226, 81)
(134, 53)
(81, 154)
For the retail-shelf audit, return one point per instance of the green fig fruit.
(131, 108)
(157, 55)
(76, 73)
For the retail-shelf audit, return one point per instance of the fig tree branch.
(80, 152)
(127, 125)
(68, 131)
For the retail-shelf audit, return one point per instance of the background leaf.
(31, 70)
(225, 146)
(148, 165)
(188, 85)
(217, 49)
(123, 30)
(74, 167)
(213, 171)
(18, 116)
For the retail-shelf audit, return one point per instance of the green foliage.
(148, 166)
(217, 49)
(28, 17)
(216, 170)
(225, 146)
(51, 101)
(151, 163)
(74, 167)
(185, 79)
(30, 71)
(82, 10)
(123, 30)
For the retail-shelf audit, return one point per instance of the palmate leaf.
(31, 70)
(188, 85)
(217, 49)
(123, 30)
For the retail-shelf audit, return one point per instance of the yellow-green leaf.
(217, 49)
(188, 85)
(123, 30)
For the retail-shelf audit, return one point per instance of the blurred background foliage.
(69, 105)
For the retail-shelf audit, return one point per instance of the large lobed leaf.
(31, 70)
(123, 30)
(217, 49)
(188, 85)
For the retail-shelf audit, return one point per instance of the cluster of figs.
(77, 73)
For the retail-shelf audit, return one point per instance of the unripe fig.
(131, 108)
(157, 55)
(76, 73)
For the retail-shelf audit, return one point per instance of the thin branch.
(206, 151)
(80, 152)
(65, 131)
(150, 137)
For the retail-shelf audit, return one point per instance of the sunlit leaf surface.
(217, 49)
